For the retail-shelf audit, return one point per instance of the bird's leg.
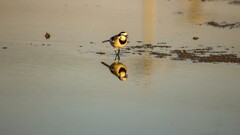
(117, 57)
(118, 54)
(115, 50)
(118, 51)
(115, 54)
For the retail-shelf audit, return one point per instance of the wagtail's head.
(122, 73)
(123, 35)
(123, 76)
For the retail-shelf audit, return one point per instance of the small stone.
(47, 35)
(195, 38)
(101, 53)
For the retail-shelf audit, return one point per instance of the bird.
(118, 41)
(118, 69)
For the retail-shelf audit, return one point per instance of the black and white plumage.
(118, 69)
(118, 41)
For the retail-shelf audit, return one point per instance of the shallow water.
(59, 86)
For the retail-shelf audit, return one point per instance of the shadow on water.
(118, 69)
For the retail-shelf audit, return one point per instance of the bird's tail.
(105, 41)
(105, 64)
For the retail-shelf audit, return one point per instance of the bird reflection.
(118, 69)
(117, 57)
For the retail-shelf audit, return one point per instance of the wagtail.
(118, 41)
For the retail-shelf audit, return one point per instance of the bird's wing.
(114, 38)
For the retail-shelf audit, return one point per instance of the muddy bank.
(234, 2)
(153, 50)
(218, 54)
(212, 58)
(223, 24)
(200, 53)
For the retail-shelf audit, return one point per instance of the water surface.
(59, 86)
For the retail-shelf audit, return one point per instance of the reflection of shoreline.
(148, 21)
(194, 11)
(147, 63)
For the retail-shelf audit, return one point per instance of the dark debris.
(47, 35)
(211, 58)
(201, 54)
(224, 24)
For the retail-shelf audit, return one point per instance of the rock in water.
(47, 35)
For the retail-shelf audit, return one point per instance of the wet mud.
(218, 54)
(198, 54)
(223, 24)
(234, 2)
(211, 58)
(101, 53)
